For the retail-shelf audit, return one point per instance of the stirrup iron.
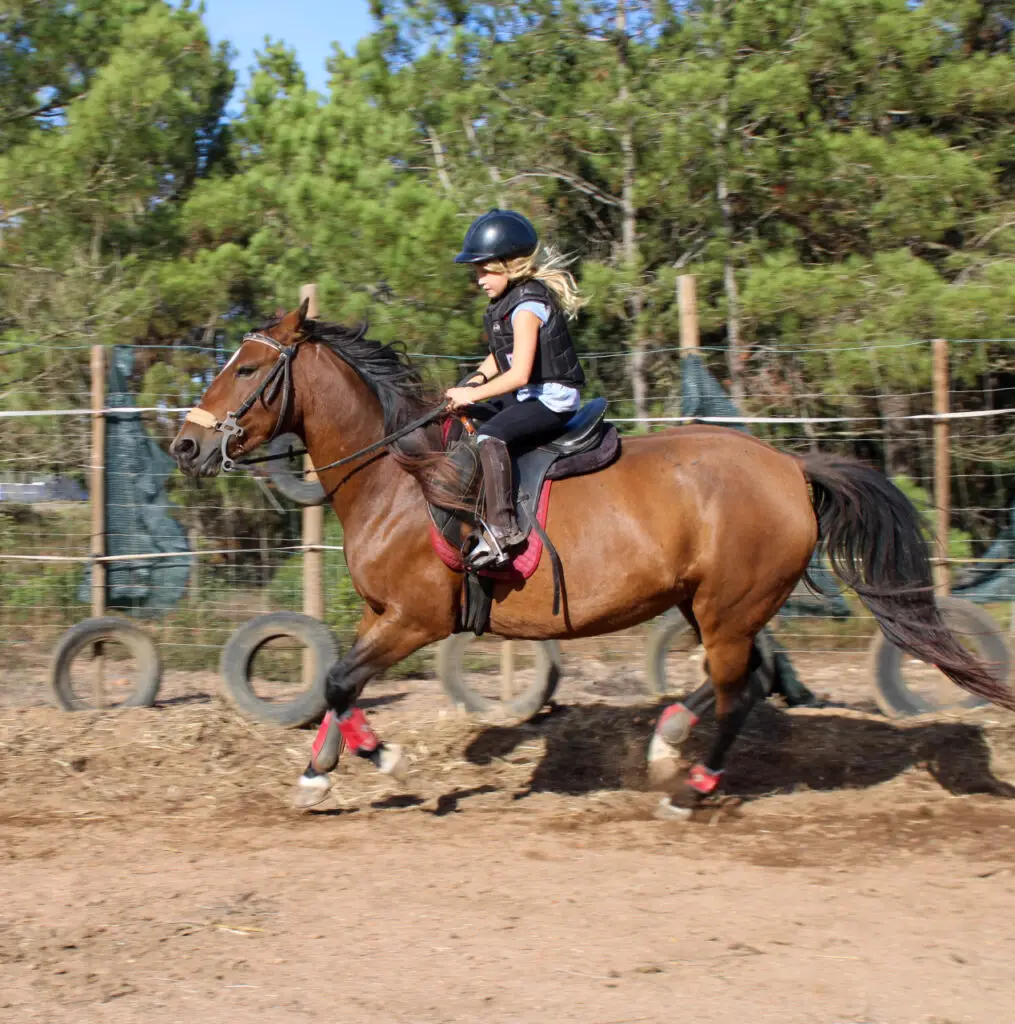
(486, 551)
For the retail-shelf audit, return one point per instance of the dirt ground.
(857, 871)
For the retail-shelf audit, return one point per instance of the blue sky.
(307, 26)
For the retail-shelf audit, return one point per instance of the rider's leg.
(500, 506)
(517, 423)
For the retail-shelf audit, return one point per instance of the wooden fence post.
(507, 671)
(942, 466)
(687, 297)
(97, 489)
(313, 531)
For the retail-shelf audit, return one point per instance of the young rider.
(528, 384)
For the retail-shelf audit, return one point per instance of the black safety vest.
(556, 359)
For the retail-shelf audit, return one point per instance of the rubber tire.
(135, 639)
(549, 668)
(672, 625)
(896, 700)
(665, 630)
(244, 644)
(287, 482)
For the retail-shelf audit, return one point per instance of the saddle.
(587, 444)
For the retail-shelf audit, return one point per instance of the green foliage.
(343, 607)
(836, 174)
(959, 542)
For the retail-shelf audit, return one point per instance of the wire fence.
(244, 550)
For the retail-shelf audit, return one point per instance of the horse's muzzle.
(196, 456)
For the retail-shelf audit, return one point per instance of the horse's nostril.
(184, 448)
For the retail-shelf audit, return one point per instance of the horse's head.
(248, 403)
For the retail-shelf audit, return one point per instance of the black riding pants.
(515, 422)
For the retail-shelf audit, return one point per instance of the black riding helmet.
(498, 235)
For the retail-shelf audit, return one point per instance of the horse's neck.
(339, 418)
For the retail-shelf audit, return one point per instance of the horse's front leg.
(384, 641)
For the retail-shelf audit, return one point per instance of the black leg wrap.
(339, 689)
(727, 729)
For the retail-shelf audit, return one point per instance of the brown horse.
(708, 519)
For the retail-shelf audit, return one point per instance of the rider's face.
(491, 283)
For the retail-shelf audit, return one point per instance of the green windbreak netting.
(137, 521)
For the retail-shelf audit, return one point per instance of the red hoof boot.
(327, 746)
(675, 724)
(356, 731)
(702, 780)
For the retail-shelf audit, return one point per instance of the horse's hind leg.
(730, 662)
(677, 720)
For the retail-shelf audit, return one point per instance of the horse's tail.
(446, 481)
(874, 541)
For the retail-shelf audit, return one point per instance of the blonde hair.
(549, 266)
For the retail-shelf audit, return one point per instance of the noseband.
(279, 378)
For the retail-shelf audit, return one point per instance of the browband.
(202, 417)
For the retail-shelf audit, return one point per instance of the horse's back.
(708, 488)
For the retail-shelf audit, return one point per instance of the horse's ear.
(292, 323)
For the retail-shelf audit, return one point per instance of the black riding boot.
(500, 509)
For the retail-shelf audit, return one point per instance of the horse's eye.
(246, 371)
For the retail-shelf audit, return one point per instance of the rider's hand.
(460, 397)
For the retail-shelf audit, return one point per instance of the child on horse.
(527, 388)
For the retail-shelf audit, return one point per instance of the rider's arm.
(526, 327)
(486, 370)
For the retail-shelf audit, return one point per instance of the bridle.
(279, 378)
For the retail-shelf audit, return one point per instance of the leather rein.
(279, 379)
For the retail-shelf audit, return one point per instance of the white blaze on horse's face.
(210, 429)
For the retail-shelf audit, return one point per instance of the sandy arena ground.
(857, 870)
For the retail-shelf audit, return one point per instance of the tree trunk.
(734, 355)
(892, 409)
(629, 224)
(491, 168)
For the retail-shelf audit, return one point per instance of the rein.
(280, 378)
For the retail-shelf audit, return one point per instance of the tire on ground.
(526, 705)
(893, 695)
(91, 631)
(287, 481)
(665, 630)
(238, 656)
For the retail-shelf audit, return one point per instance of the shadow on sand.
(595, 747)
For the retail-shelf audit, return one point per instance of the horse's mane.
(386, 369)
(395, 382)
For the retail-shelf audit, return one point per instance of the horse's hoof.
(393, 762)
(663, 761)
(310, 790)
(668, 811)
